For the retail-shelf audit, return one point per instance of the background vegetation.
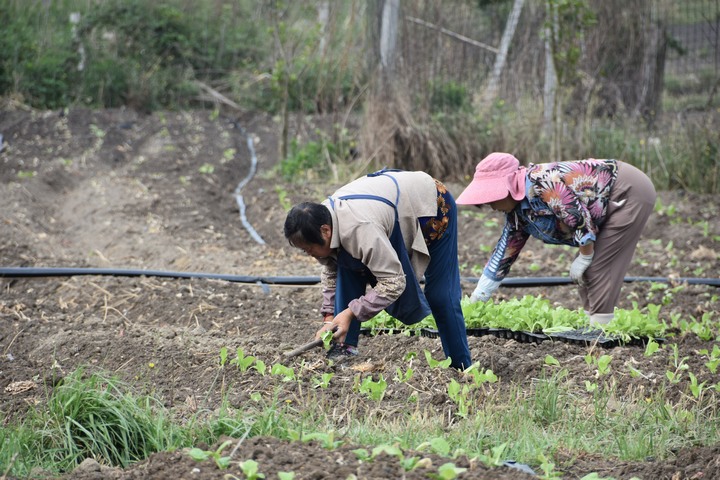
(633, 80)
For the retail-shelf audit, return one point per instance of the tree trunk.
(494, 82)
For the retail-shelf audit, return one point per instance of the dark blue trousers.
(442, 290)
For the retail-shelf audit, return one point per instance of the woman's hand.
(484, 289)
(581, 263)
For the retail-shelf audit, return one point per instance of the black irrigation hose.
(32, 272)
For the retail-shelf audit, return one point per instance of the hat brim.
(482, 191)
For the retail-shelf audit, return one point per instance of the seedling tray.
(518, 335)
(477, 331)
(389, 331)
(429, 332)
(587, 337)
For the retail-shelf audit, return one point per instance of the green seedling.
(603, 364)
(548, 468)
(362, 454)
(634, 372)
(206, 169)
(550, 360)
(228, 154)
(447, 471)
(326, 439)
(391, 450)
(438, 445)
(409, 463)
(713, 358)
(223, 356)
(480, 377)
(322, 381)
(202, 455)
(437, 363)
(250, 470)
(327, 337)
(403, 377)
(260, 366)
(651, 347)
(242, 361)
(495, 456)
(281, 370)
(375, 390)
(695, 388)
(590, 386)
(679, 365)
(595, 476)
(97, 131)
(460, 395)
(286, 475)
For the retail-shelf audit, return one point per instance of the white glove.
(579, 265)
(485, 288)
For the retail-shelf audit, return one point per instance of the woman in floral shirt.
(599, 206)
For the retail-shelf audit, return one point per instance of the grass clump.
(88, 416)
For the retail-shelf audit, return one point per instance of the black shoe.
(341, 350)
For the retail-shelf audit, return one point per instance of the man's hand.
(579, 265)
(340, 324)
(484, 289)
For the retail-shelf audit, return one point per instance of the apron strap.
(363, 196)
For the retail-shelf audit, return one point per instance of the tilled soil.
(117, 190)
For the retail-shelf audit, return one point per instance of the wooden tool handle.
(303, 348)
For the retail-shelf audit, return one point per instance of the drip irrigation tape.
(554, 281)
(33, 272)
(238, 196)
(30, 272)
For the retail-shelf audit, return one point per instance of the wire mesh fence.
(448, 48)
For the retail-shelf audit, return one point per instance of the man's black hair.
(303, 223)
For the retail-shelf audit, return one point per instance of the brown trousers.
(632, 200)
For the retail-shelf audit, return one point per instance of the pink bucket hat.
(496, 176)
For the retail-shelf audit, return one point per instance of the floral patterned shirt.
(565, 203)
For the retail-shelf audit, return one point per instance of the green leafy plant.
(713, 358)
(403, 377)
(550, 360)
(634, 323)
(326, 439)
(460, 395)
(495, 456)
(447, 471)
(695, 388)
(548, 468)
(479, 376)
(251, 470)
(437, 363)
(287, 373)
(221, 461)
(373, 389)
(223, 356)
(651, 347)
(327, 337)
(242, 361)
(679, 365)
(206, 169)
(322, 381)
